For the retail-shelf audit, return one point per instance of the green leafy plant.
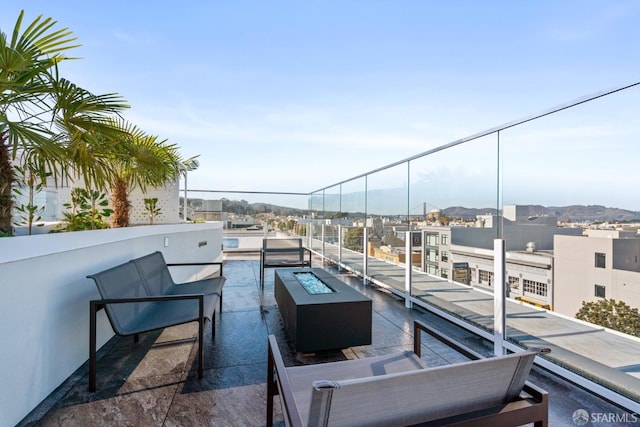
(150, 205)
(353, 239)
(87, 211)
(30, 213)
(612, 314)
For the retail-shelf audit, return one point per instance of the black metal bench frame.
(288, 253)
(199, 314)
(530, 406)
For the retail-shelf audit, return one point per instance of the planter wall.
(44, 299)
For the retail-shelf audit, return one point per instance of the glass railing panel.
(249, 217)
(314, 220)
(570, 229)
(331, 249)
(353, 247)
(453, 198)
(330, 221)
(387, 223)
(353, 203)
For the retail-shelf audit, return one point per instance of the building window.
(444, 256)
(485, 276)
(444, 272)
(600, 260)
(536, 288)
(444, 240)
(431, 255)
(600, 291)
(432, 239)
(432, 269)
(514, 282)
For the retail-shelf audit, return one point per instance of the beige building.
(600, 264)
(465, 254)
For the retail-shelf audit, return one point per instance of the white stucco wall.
(44, 299)
(168, 203)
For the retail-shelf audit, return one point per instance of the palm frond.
(37, 40)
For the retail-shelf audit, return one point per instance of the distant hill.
(573, 213)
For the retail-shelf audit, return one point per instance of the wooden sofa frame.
(283, 252)
(140, 296)
(399, 389)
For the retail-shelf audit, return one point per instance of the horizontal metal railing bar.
(247, 192)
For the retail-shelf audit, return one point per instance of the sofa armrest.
(419, 327)
(278, 384)
(178, 264)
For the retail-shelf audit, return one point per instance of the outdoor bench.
(140, 296)
(283, 252)
(401, 390)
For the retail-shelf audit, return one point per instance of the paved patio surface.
(154, 382)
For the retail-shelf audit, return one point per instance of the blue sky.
(321, 91)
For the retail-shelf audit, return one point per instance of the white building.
(600, 264)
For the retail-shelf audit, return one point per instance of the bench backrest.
(422, 395)
(276, 245)
(154, 272)
(283, 249)
(121, 281)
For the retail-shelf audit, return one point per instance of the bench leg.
(201, 339)
(271, 386)
(92, 346)
(213, 326)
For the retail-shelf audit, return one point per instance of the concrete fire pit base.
(318, 322)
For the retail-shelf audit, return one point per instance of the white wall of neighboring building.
(168, 203)
(52, 199)
(576, 273)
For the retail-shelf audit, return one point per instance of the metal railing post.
(339, 247)
(407, 272)
(365, 246)
(499, 300)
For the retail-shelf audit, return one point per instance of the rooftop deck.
(154, 382)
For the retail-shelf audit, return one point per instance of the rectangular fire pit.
(321, 312)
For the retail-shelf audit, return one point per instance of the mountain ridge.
(570, 213)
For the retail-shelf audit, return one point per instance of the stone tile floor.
(154, 382)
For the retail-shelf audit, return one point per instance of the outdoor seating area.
(155, 381)
(401, 389)
(141, 296)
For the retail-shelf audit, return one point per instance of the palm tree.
(140, 161)
(66, 131)
(26, 64)
(89, 128)
(7, 178)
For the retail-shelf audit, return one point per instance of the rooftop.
(154, 382)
